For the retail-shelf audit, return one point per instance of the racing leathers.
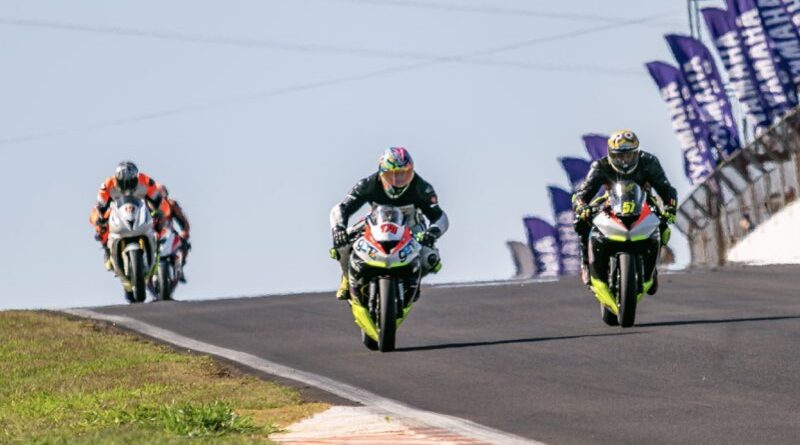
(649, 175)
(146, 189)
(420, 198)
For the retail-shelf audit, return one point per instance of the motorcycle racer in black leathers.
(624, 161)
(397, 184)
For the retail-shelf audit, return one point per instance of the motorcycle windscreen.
(626, 199)
(386, 215)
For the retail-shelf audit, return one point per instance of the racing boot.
(107, 259)
(343, 293)
(584, 267)
(654, 288)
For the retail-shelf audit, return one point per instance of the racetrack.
(714, 358)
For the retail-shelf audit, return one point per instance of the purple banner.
(793, 9)
(697, 66)
(576, 169)
(522, 256)
(543, 240)
(778, 24)
(569, 242)
(772, 76)
(596, 145)
(698, 162)
(741, 77)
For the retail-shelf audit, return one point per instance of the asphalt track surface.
(714, 357)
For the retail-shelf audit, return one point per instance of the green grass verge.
(65, 381)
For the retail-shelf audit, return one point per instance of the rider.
(126, 181)
(624, 161)
(395, 183)
(175, 211)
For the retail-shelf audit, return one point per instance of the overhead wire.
(491, 10)
(278, 45)
(320, 84)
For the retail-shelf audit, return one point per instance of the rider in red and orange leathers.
(176, 214)
(126, 181)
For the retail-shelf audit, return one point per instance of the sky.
(260, 115)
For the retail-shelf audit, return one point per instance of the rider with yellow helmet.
(625, 161)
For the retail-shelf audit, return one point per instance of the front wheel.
(165, 283)
(137, 275)
(628, 289)
(388, 314)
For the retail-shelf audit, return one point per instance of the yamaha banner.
(781, 30)
(698, 162)
(697, 66)
(793, 9)
(569, 241)
(522, 256)
(543, 240)
(596, 145)
(741, 77)
(576, 169)
(771, 73)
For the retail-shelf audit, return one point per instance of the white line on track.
(380, 404)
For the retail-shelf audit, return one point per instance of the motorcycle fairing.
(369, 249)
(613, 228)
(364, 321)
(130, 228)
(603, 295)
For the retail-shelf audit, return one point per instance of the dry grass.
(67, 381)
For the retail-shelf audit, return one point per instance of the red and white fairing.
(387, 241)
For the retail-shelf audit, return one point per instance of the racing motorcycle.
(387, 256)
(626, 231)
(170, 262)
(132, 245)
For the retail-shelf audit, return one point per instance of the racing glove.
(428, 238)
(340, 238)
(583, 211)
(670, 211)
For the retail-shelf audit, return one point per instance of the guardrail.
(744, 191)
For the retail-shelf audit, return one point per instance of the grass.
(65, 381)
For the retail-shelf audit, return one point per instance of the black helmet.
(127, 176)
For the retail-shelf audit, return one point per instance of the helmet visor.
(128, 184)
(624, 159)
(399, 177)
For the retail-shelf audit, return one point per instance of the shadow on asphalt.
(506, 342)
(719, 321)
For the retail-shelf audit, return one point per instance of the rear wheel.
(137, 276)
(628, 289)
(165, 280)
(388, 314)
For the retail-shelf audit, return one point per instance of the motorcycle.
(387, 256)
(627, 232)
(170, 263)
(132, 245)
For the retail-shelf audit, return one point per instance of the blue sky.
(260, 115)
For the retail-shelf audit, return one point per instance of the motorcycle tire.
(165, 283)
(387, 287)
(628, 289)
(608, 317)
(137, 276)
